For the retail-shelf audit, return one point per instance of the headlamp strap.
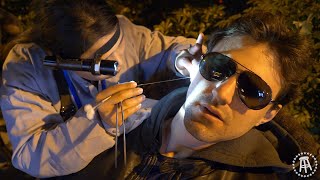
(106, 47)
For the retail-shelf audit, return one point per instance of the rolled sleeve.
(43, 144)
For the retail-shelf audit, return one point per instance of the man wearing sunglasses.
(50, 137)
(220, 127)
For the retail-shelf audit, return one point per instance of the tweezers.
(124, 136)
(119, 105)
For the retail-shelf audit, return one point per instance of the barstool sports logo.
(304, 164)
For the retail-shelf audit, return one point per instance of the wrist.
(111, 130)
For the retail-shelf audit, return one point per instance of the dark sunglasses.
(254, 92)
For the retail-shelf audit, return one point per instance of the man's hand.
(188, 59)
(128, 93)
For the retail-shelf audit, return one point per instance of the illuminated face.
(214, 111)
(90, 54)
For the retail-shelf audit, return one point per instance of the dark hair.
(68, 27)
(289, 47)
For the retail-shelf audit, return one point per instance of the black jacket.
(262, 153)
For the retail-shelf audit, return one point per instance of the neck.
(178, 142)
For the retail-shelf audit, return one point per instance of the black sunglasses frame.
(227, 69)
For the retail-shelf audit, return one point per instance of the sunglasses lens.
(217, 67)
(253, 91)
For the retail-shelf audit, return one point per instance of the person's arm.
(158, 50)
(43, 144)
(157, 42)
(166, 48)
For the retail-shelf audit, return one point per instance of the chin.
(197, 130)
(99, 77)
(91, 77)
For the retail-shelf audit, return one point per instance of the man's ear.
(270, 114)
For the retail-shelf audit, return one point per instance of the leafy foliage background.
(189, 17)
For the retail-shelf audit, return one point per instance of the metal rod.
(116, 143)
(157, 82)
(139, 85)
(124, 136)
(122, 117)
(101, 102)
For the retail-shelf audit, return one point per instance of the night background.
(188, 18)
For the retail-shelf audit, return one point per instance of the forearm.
(43, 144)
(65, 149)
(171, 47)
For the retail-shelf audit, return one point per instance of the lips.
(207, 109)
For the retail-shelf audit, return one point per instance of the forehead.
(255, 56)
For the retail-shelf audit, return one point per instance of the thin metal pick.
(122, 117)
(157, 82)
(100, 103)
(139, 85)
(116, 143)
(124, 136)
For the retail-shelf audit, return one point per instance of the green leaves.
(305, 27)
(190, 21)
(302, 16)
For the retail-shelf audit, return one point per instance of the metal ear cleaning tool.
(90, 112)
(119, 105)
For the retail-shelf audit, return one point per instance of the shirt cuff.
(134, 120)
(111, 130)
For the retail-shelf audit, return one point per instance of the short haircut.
(68, 27)
(290, 49)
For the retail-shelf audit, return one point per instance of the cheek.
(237, 105)
(197, 88)
(85, 75)
(195, 83)
(246, 121)
(91, 77)
(115, 56)
(241, 111)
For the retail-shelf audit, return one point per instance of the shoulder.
(24, 60)
(123, 19)
(25, 52)
(23, 69)
(127, 24)
(26, 47)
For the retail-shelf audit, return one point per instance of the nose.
(224, 91)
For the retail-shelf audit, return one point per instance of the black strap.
(106, 47)
(68, 109)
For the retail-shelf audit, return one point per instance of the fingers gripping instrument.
(90, 112)
(119, 105)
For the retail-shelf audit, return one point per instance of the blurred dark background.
(188, 18)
